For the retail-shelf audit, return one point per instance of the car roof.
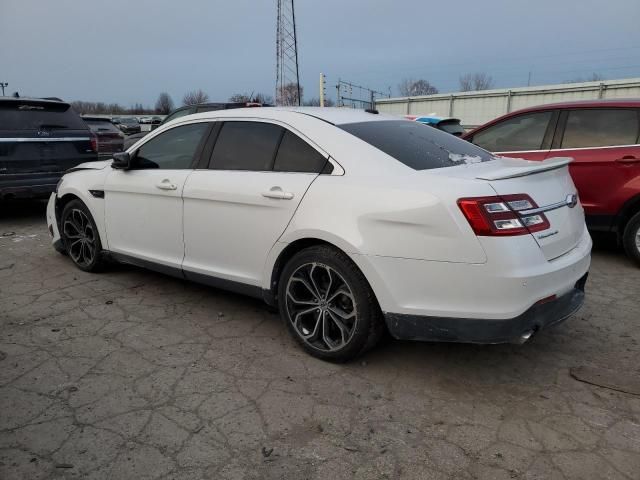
(333, 115)
(617, 102)
(42, 101)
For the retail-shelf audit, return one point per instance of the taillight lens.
(94, 142)
(502, 216)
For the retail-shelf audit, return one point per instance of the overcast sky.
(128, 51)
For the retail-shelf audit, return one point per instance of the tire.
(328, 305)
(80, 237)
(631, 238)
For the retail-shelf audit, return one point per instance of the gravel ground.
(129, 374)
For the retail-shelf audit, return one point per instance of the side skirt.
(220, 283)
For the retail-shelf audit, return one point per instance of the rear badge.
(545, 235)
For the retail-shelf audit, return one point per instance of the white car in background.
(349, 222)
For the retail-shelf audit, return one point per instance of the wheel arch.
(270, 292)
(628, 210)
(96, 210)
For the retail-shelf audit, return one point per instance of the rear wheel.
(328, 305)
(80, 237)
(631, 238)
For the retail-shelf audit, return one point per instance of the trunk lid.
(549, 185)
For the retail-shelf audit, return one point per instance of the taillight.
(504, 215)
(94, 142)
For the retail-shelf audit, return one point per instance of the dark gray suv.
(39, 140)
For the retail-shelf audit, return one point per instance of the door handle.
(628, 160)
(276, 192)
(166, 185)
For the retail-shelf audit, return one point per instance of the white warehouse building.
(478, 107)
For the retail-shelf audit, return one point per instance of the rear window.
(416, 145)
(451, 126)
(100, 126)
(16, 115)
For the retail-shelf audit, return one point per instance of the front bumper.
(52, 224)
(474, 330)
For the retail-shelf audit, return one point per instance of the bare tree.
(411, 88)
(258, 98)
(194, 97)
(315, 102)
(475, 81)
(239, 97)
(594, 77)
(288, 95)
(164, 104)
(264, 98)
(110, 108)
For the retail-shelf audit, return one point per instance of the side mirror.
(121, 161)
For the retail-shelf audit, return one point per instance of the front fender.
(80, 184)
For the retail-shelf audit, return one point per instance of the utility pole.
(322, 89)
(3, 85)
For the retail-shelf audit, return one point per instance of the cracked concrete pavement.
(130, 374)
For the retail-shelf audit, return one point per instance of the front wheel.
(328, 305)
(631, 238)
(80, 237)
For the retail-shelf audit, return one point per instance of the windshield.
(416, 145)
(128, 120)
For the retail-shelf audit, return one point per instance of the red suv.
(602, 136)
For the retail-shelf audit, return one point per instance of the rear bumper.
(28, 185)
(474, 330)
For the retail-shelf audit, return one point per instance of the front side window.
(600, 128)
(174, 149)
(524, 132)
(246, 146)
(416, 145)
(296, 155)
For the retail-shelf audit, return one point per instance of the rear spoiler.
(518, 167)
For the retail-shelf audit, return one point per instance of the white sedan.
(351, 223)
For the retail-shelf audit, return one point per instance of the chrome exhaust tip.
(525, 337)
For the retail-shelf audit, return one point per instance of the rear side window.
(174, 149)
(524, 132)
(246, 146)
(16, 115)
(296, 155)
(416, 145)
(600, 128)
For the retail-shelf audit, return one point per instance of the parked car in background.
(156, 121)
(128, 125)
(603, 138)
(447, 124)
(492, 249)
(110, 138)
(188, 110)
(39, 140)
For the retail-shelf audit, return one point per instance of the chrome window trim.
(567, 149)
(43, 139)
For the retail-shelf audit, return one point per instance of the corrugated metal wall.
(476, 108)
